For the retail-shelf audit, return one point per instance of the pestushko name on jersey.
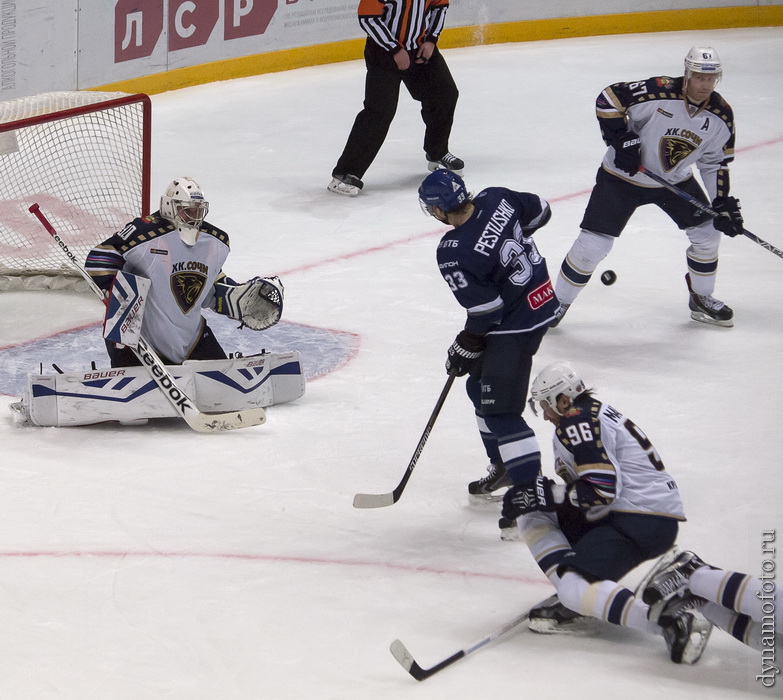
(491, 233)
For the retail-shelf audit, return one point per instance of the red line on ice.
(274, 558)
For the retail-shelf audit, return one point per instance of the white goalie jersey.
(610, 454)
(182, 277)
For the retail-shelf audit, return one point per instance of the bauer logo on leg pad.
(128, 393)
(125, 309)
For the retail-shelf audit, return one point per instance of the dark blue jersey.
(493, 266)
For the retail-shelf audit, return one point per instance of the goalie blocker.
(128, 394)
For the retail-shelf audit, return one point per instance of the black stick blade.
(405, 659)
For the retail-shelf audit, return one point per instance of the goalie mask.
(183, 204)
(555, 379)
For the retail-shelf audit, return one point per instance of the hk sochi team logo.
(186, 288)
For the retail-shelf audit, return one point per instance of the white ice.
(152, 562)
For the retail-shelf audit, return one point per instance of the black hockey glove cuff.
(526, 498)
(464, 352)
(627, 152)
(729, 219)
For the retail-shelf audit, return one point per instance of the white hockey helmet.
(555, 379)
(183, 204)
(703, 59)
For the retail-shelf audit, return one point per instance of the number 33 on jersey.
(493, 267)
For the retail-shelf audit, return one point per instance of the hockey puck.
(608, 277)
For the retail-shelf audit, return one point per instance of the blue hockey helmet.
(443, 189)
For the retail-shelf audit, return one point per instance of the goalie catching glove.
(257, 304)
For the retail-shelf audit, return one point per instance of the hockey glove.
(465, 352)
(627, 152)
(729, 219)
(526, 498)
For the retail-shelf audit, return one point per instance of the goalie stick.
(381, 500)
(401, 653)
(182, 403)
(707, 210)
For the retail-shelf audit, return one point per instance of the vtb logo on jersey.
(673, 150)
(186, 288)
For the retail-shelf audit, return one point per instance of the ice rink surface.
(152, 562)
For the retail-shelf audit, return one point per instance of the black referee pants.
(429, 83)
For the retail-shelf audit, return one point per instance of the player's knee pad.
(579, 264)
(571, 589)
(540, 531)
(705, 241)
(588, 250)
(570, 564)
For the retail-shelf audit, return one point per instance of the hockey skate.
(661, 563)
(347, 185)
(19, 413)
(446, 162)
(685, 630)
(481, 491)
(669, 582)
(561, 311)
(552, 617)
(708, 309)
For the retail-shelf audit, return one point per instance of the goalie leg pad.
(97, 396)
(247, 382)
(127, 394)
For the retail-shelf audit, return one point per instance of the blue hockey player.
(495, 271)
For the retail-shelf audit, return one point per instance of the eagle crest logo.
(673, 151)
(186, 288)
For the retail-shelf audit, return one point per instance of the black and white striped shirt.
(402, 23)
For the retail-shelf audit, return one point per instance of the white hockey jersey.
(182, 277)
(675, 134)
(615, 462)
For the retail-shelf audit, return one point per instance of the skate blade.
(710, 321)
(580, 627)
(484, 499)
(699, 637)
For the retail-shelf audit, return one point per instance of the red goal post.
(84, 157)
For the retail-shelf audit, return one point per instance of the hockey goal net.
(84, 157)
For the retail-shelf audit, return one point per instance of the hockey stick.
(182, 403)
(707, 210)
(401, 653)
(380, 500)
